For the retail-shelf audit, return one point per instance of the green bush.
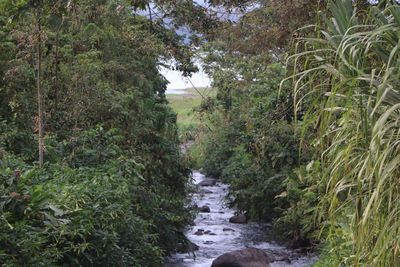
(92, 207)
(65, 212)
(86, 216)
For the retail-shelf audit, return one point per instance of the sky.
(177, 81)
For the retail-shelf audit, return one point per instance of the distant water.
(175, 91)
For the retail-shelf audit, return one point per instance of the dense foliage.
(350, 86)
(303, 123)
(111, 191)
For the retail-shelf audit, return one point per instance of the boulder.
(186, 247)
(241, 218)
(208, 182)
(204, 209)
(248, 257)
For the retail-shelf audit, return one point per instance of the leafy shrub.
(76, 216)
(91, 207)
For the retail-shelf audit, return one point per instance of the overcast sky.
(177, 81)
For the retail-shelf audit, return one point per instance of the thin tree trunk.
(39, 90)
(56, 74)
(56, 64)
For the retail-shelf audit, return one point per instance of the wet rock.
(204, 209)
(208, 242)
(279, 255)
(207, 232)
(208, 182)
(186, 247)
(283, 258)
(206, 191)
(228, 230)
(241, 218)
(199, 232)
(248, 257)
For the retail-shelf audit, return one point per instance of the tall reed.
(347, 80)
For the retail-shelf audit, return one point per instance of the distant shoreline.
(176, 91)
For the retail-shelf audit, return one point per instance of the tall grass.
(347, 79)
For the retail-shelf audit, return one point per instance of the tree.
(39, 86)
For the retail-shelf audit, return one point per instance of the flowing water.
(215, 235)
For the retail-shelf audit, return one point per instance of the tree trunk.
(39, 90)
(56, 82)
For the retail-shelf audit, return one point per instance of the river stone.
(208, 182)
(248, 257)
(205, 209)
(199, 232)
(186, 247)
(206, 191)
(241, 218)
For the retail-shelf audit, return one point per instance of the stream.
(215, 235)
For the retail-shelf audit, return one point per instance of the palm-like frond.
(349, 80)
